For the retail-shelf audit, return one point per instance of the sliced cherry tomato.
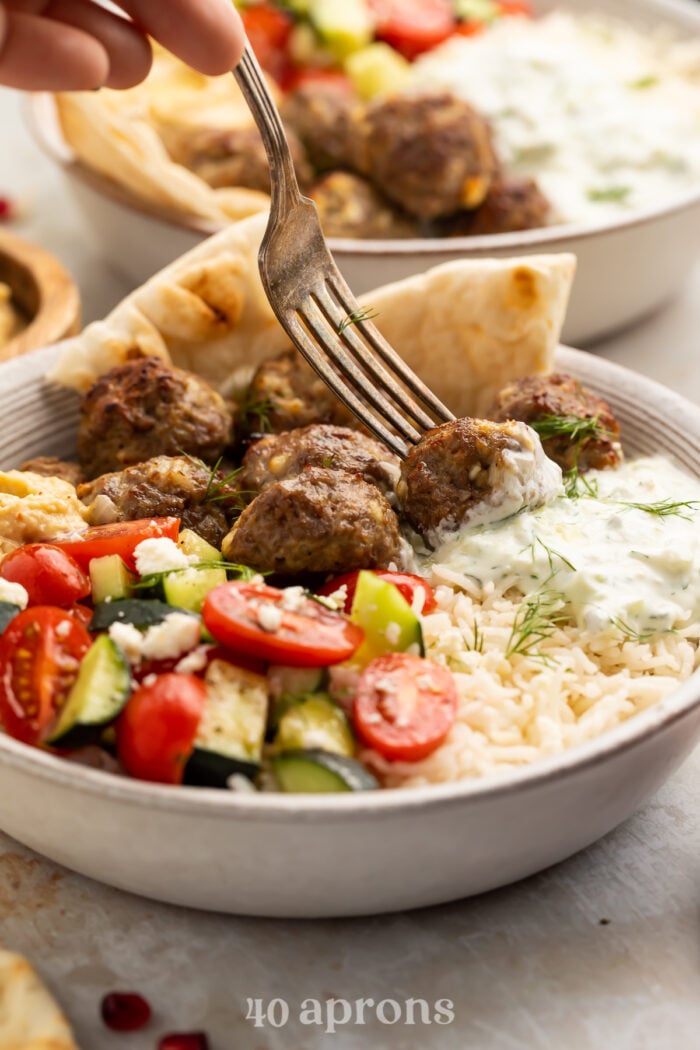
(40, 654)
(82, 613)
(405, 582)
(329, 77)
(268, 30)
(156, 730)
(404, 706)
(413, 26)
(515, 7)
(48, 574)
(469, 28)
(122, 538)
(254, 619)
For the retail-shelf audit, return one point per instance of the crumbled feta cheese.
(337, 599)
(393, 633)
(177, 634)
(194, 661)
(63, 629)
(418, 601)
(270, 618)
(293, 598)
(237, 782)
(129, 639)
(13, 593)
(150, 679)
(159, 554)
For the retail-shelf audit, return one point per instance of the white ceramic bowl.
(626, 269)
(372, 852)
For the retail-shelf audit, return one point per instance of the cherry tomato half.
(157, 728)
(413, 26)
(121, 537)
(404, 706)
(405, 582)
(48, 574)
(40, 654)
(268, 30)
(253, 618)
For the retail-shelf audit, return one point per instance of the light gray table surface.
(599, 953)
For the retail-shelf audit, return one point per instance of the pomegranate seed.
(184, 1041)
(125, 1011)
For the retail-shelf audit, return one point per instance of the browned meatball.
(554, 406)
(279, 456)
(286, 393)
(430, 153)
(511, 204)
(320, 521)
(166, 486)
(235, 157)
(146, 408)
(476, 470)
(350, 206)
(50, 467)
(322, 115)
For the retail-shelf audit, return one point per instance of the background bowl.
(306, 856)
(626, 269)
(42, 290)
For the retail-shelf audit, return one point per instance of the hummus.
(34, 508)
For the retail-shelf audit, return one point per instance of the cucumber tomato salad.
(139, 640)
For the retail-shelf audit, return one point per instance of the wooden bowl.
(42, 290)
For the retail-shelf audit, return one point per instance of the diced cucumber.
(187, 588)
(389, 622)
(319, 772)
(477, 10)
(377, 70)
(297, 681)
(315, 722)
(192, 544)
(231, 732)
(110, 579)
(8, 611)
(98, 695)
(343, 25)
(141, 612)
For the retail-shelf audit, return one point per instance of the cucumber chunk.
(100, 691)
(141, 612)
(110, 579)
(192, 544)
(319, 772)
(187, 588)
(343, 25)
(8, 611)
(231, 733)
(315, 722)
(389, 622)
(297, 681)
(377, 70)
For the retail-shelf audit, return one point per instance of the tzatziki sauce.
(623, 555)
(605, 116)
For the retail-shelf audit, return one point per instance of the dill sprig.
(257, 408)
(578, 428)
(476, 645)
(664, 508)
(365, 313)
(217, 483)
(154, 579)
(577, 484)
(628, 632)
(537, 618)
(551, 555)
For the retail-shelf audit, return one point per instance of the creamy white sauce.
(615, 566)
(604, 116)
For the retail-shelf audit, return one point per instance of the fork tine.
(315, 316)
(388, 354)
(347, 395)
(372, 365)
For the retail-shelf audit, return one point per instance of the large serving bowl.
(302, 855)
(626, 269)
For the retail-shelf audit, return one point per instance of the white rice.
(514, 711)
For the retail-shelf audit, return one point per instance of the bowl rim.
(271, 807)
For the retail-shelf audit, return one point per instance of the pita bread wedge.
(30, 1019)
(467, 327)
(123, 135)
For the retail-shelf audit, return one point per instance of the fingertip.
(127, 75)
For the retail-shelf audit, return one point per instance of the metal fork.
(315, 306)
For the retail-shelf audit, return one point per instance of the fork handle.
(285, 192)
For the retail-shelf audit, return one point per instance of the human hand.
(76, 45)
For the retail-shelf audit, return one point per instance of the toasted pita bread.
(467, 327)
(122, 135)
(30, 1019)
